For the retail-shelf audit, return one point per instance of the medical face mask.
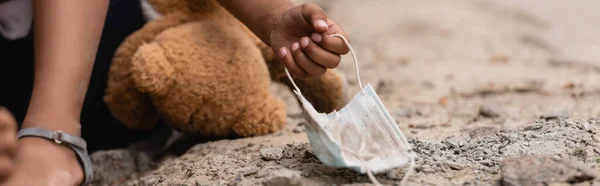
(362, 136)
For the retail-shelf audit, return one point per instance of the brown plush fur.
(205, 73)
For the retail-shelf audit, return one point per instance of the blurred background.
(445, 59)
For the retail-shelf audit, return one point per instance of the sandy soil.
(470, 83)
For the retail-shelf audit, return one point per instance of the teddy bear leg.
(261, 118)
(326, 93)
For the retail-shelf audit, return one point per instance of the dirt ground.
(483, 90)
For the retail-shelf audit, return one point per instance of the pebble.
(246, 171)
(533, 127)
(404, 112)
(395, 174)
(453, 142)
(490, 110)
(284, 177)
(273, 153)
(427, 169)
(455, 165)
(203, 183)
(298, 130)
(562, 113)
(261, 174)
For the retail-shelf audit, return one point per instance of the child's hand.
(304, 30)
(8, 139)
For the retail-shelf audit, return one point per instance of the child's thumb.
(313, 14)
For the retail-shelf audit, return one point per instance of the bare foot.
(8, 132)
(49, 163)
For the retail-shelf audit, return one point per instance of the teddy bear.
(200, 70)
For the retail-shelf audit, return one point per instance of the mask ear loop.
(355, 65)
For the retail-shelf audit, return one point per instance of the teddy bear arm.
(151, 70)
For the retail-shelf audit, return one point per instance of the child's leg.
(99, 128)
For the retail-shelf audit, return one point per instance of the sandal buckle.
(57, 136)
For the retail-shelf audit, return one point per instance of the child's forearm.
(258, 15)
(67, 35)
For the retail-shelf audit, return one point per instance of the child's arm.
(284, 26)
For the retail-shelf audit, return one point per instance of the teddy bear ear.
(151, 70)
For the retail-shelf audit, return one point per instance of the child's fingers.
(8, 130)
(8, 140)
(288, 60)
(331, 43)
(306, 63)
(313, 14)
(8, 144)
(7, 121)
(318, 54)
(6, 167)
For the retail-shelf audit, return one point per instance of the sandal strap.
(78, 145)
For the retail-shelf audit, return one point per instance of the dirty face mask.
(362, 136)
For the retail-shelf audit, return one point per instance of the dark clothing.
(99, 128)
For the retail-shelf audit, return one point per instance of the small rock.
(246, 171)
(453, 142)
(298, 130)
(404, 112)
(490, 110)
(487, 163)
(489, 170)
(426, 169)
(271, 153)
(556, 114)
(395, 174)
(586, 125)
(203, 183)
(596, 138)
(536, 126)
(284, 177)
(261, 174)
(455, 165)
(543, 170)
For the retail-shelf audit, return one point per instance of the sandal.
(78, 145)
